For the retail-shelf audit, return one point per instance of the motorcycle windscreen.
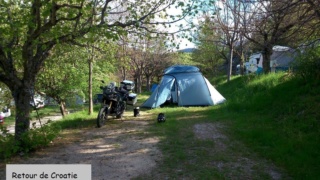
(161, 93)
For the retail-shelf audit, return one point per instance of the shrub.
(7, 144)
(32, 140)
(307, 64)
(39, 137)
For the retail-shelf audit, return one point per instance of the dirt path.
(124, 150)
(35, 123)
(119, 150)
(240, 163)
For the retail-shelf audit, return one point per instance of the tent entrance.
(173, 96)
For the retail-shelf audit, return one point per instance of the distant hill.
(187, 50)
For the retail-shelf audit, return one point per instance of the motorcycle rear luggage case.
(128, 85)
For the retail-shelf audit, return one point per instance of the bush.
(7, 144)
(307, 64)
(39, 137)
(32, 140)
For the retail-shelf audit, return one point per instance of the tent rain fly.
(185, 86)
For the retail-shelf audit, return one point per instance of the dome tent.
(186, 86)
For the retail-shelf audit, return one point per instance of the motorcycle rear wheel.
(102, 117)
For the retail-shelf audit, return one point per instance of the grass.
(275, 116)
(184, 155)
(42, 112)
(77, 120)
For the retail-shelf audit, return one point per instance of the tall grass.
(278, 116)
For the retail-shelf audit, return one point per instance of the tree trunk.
(241, 66)
(22, 96)
(136, 84)
(124, 73)
(139, 84)
(266, 59)
(148, 82)
(230, 63)
(90, 83)
(63, 108)
(242, 58)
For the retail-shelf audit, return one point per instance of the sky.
(183, 42)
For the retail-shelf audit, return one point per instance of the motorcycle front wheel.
(102, 117)
(120, 110)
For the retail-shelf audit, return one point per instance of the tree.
(31, 29)
(137, 64)
(122, 56)
(98, 53)
(228, 22)
(157, 58)
(268, 23)
(5, 96)
(314, 4)
(62, 75)
(224, 28)
(211, 52)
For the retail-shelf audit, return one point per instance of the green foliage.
(32, 140)
(184, 59)
(63, 74)
(5, 96)
(209, 53)
(7, 144)
(39, 137)
(307, 64)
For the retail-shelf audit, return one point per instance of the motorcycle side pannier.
(132, 99)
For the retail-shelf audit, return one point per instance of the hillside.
(278, 116)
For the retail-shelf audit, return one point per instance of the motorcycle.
(115, 100)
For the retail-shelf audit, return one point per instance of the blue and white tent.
(186, 86)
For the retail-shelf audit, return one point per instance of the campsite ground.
(240, 139)
(126, 149)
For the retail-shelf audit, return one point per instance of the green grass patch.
(78, 120)
(277, 116)
(184, 155)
